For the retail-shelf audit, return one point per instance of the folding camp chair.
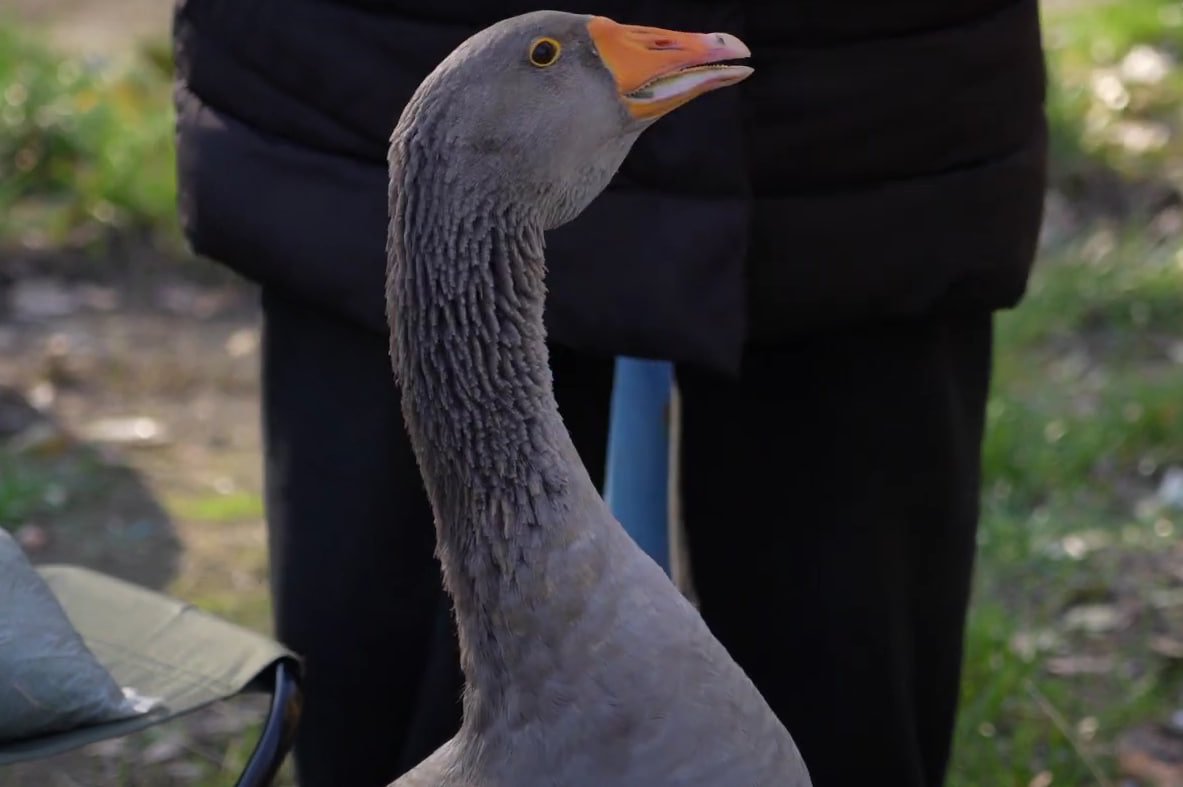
(182, 657)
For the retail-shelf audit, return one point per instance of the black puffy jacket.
(886, 159)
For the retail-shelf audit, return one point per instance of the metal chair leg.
(637, 477)
(279, 730)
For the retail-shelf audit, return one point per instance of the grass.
(38, 485)
(217, 508)
(85, 148)
(22, 493)
(1085, 415)
(1085, 371)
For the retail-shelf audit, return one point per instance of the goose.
(584, 665)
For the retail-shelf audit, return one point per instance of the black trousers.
(830, 499)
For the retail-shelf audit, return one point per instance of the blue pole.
(636, 481)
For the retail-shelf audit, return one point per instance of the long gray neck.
(466, 295)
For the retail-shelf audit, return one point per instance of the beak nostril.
(663, 43)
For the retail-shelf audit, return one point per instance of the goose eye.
(544, 52)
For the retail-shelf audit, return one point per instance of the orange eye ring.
(545, 52)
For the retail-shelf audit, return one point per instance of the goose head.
(540, 110)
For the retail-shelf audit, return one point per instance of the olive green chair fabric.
(85, 657)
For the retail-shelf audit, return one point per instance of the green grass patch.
(1105, 285)
(234, 507)
(1105, 31)
(1088, 388)
(85, 148)
(1039, 693)
(22, 492)
(1085, 413)
(35, 486)
(249, 609)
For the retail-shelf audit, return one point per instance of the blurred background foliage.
(85, 144)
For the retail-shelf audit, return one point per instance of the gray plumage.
(585, 666)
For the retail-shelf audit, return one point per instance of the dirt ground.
(103, 27)
(153, 375)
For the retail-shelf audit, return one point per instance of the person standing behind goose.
(820, 251)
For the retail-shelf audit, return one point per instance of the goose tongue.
(658, 70)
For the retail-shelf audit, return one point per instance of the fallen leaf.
(163, 750)
(1110, 90)
(42, 395)
(1147, 754)
(110, 749)
(1067, 666)
(1170, 489)
(1145, 65)
(41, 299)
(242, 342)
(32, 538)
(184, 772)
(137, 431)
(1167, 646)
(100, 298)
(1042, 779)
(1165, 599)
(1140, 137)
(1094, 618)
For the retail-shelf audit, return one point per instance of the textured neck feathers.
(469, 348)
(466, 296)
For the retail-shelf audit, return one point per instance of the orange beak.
(657, 71)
